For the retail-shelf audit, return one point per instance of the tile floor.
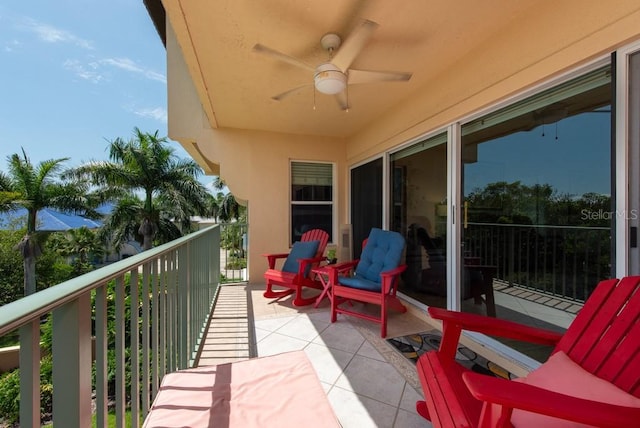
(368, 383)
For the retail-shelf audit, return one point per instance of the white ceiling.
(236, 84)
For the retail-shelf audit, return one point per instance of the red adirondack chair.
(591, 378)
(296, 273)
(371, 279)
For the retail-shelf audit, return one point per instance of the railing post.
(30, 374)
(72, 363)
(102, 345)
(184, 315)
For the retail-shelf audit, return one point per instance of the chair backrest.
(604, 338)
(382, 252)
(316, 235)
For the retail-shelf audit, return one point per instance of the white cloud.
(90, 73)
(51, 34)
(157, 113)
(11, 45)
(129, 65)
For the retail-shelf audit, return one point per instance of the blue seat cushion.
(360, 283)
(300, 250)
(383, 252)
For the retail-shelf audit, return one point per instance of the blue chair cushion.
(300, 250)
(383, 252)
(360, 283)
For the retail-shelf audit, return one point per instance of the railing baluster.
(145, 337)
(134, 291)
(101, 344)
(120, 351)
(154, 328)
(162, 308)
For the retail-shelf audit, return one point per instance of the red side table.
(322, 273)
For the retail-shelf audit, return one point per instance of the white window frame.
(334, 191)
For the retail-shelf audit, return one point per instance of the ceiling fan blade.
(352, 46)
(343, 101)
(285, 94)
(261, 49)
(368, 76)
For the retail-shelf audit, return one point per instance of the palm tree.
(34, 188)
(227, 207)
(145, 165)
(82, 244)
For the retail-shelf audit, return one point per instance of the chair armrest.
(531, 398)
(303, 263)
(271, 258)
(340, 268)
(394, 272)
(389, 278)
(495, 327)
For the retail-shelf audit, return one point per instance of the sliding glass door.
(419, 213)
(538, 212)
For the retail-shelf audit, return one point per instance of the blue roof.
(50, 220)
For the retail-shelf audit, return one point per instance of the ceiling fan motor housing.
(329, 79)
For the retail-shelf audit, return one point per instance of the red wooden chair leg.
(270, 294)
(421, 408)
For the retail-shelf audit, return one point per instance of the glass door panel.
(537, 214)
(366, 202)
(419, 213)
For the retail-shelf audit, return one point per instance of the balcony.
(193, 309)
(182, 316)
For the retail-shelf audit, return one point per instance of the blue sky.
(75, 74)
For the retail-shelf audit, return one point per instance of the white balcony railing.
(164, 294)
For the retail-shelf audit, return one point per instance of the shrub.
(10, 392)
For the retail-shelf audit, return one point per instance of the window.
(311, 198)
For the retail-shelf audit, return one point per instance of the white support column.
(455, 217)
(72, 363)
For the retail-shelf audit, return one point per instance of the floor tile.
(406, 419)
(301, 327)
(328, 363)
(409, 398)
(374, 379)
(276, 343)
(342, 336)
(369, 351)
(272, 323)
(356, 411)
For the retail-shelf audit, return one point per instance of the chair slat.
(626, 364)
(595, 318)
(613, 350)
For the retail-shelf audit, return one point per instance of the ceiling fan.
(334, 76)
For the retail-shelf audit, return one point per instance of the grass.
(111, 420)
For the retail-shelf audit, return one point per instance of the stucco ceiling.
(236, 84)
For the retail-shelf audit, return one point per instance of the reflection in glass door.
(537, 195)
(419, 213)
(366, 202)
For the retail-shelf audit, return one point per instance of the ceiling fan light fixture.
(329, 80)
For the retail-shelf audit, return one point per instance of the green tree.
(34, 187)
(226, 207)
(146, 165)
(81, 244)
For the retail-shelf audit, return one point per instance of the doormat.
(414, 345)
